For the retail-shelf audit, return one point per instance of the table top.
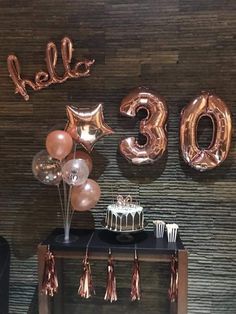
(100, 240)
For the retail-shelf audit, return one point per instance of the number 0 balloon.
(213, 107)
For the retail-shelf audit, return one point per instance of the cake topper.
(124, 201)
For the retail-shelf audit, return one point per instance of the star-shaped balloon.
(87, 126)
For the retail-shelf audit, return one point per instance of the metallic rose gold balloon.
(86, 196)
(82, 155)
(59, 144)
(86, 126)
(44, 79)
(213, 107)
(153, 127)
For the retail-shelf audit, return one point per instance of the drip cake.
(124, 215)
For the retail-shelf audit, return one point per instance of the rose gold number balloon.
(214, 108)
(153, 127)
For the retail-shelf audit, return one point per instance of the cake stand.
(125, 236)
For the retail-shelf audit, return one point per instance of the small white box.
(172, 230)
(159, 228)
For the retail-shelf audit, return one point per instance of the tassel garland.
(110, 294)
(173, 290)
(86, 288)
(50, 282)
(135, 280)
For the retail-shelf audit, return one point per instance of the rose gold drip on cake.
(132, 221)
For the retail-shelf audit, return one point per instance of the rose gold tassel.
(135, 281)
(50, 282)
(173, 290)
(86, 288)
(110, 294)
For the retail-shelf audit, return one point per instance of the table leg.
(43, 300)
(58, 304)
(173, 308)
(182, 304)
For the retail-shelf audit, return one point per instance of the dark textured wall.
(176, 47)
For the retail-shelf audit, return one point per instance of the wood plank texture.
(176, 47)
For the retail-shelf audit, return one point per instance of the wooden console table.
(148, 247)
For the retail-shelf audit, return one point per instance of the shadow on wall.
(39, 218)
(101, 163)
(214, 175)
(35, 222)
(142, 174)
(40, 212)
(33, 308)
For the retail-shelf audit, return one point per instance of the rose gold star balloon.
(87, 126)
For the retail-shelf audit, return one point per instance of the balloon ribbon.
(110, 294)
(86, 288)
(135, 280)
(173, 289)
(50, 282)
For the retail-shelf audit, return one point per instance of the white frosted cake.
(124, 215)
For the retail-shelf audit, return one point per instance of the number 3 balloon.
(213, 107)
(153, 127)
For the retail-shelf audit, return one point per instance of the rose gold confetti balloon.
(213, 107)
(153, 127)
(46, 169)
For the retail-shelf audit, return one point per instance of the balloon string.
(61, 203)
(70, 212)
(75, 146)
(68, 222)
(89, 241)
(65, 195)
(71, 215)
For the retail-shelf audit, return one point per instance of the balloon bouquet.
(61, 164)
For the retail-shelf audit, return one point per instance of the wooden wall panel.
(176, 47)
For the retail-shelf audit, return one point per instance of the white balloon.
(75, 172)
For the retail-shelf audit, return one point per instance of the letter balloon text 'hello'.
(44, 79)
